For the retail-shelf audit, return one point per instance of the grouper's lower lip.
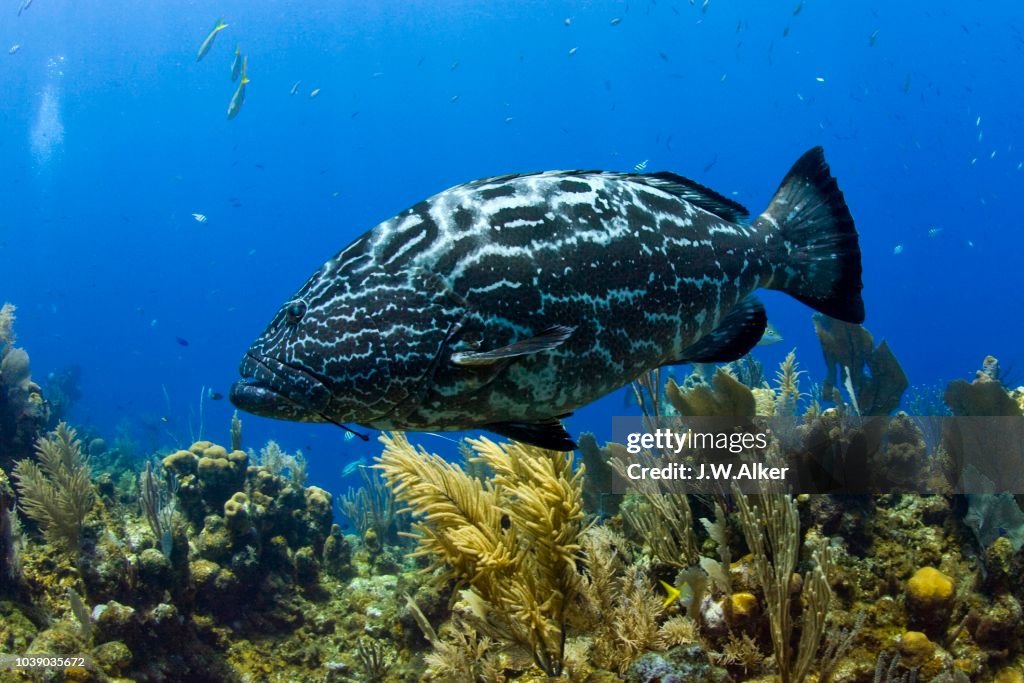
(270, 388)
(253, 397)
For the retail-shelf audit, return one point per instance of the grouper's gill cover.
(509, 302)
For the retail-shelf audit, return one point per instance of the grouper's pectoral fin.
(549, 434)
(734, 337)
(544, 341)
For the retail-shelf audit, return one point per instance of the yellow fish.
(208, 43)
(672, 594)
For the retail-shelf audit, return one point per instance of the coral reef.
(223, 565)
(23, 412)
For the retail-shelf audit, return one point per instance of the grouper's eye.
(295, 311)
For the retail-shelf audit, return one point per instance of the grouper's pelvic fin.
(549, 434)
(817, 255)
(734, 337)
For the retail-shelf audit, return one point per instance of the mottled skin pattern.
(638, 271)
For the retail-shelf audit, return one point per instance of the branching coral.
(371, 507)
(158, 503)
(787, 382)
(620, 608)
(461, 655)
(57, 492)
(277, 461)
(771, 526)
(514, 538)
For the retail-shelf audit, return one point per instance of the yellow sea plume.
(513, 538)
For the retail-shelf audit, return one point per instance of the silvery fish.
(771, 336)
(236, 64)
(238, 99)
(507, 303)
(208, 41)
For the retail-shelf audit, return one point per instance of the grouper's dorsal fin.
(695, 193)
(548, 433)
(734, 337)
(543, 341)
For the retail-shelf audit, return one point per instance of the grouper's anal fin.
(734, 337)
(543, 341)
(549, 434)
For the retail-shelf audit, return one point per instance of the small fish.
(453, 98)
(295, 88)
(568, 21)
(14, 49)
(509, 119)
(820, 79)
(640, 166)
(352, 467)
(934, 232)
(799, 8)
(24, 6)
(314, 92)
(897, 250)
(873, 38)
(235, 105)
(153, 322)
(977, 122)
(771, 336)
(208, 43)
(454, 66)
(615, 22)
(236, 65)
(672, 593)
(572, 51)
(214, 395)
(181, 341)
(163, 418)
(200, 218)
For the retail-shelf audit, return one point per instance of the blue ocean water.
(112, 136)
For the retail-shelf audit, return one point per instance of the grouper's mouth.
(272, 388)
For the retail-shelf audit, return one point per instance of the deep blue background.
(99, 250)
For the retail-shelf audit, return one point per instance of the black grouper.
(507, 303)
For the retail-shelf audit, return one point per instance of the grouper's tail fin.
(815, 250)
